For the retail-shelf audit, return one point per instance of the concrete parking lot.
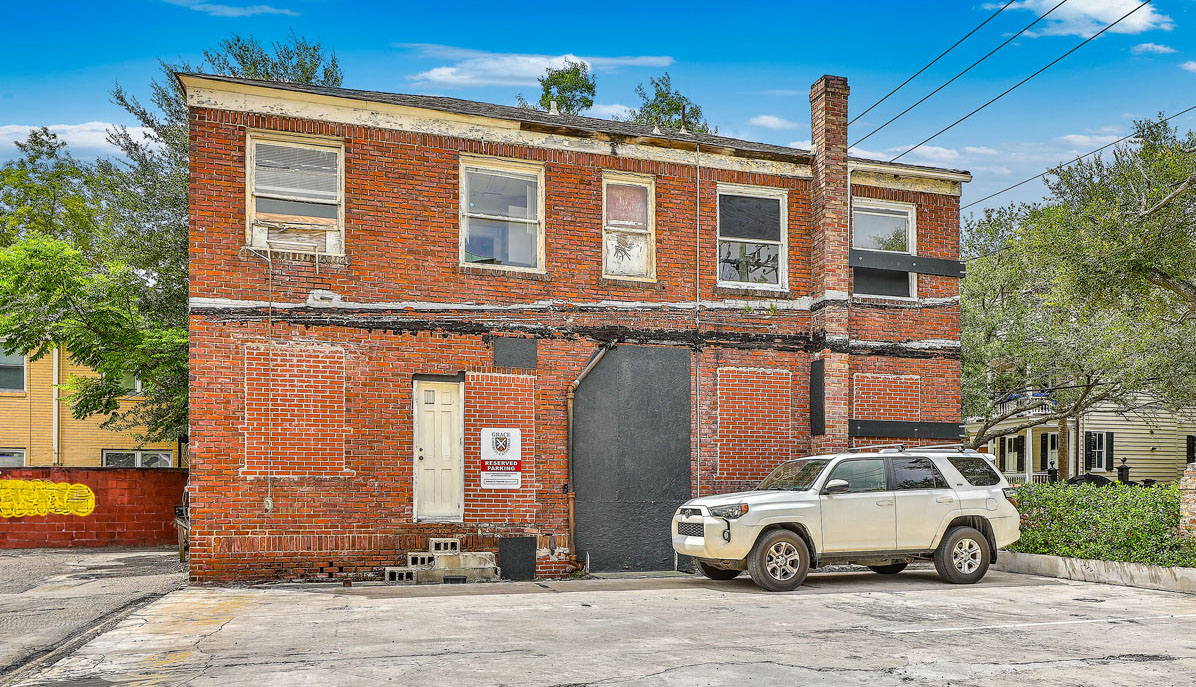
(49, 597)
(839, 629)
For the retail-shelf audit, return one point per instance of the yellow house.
(36, 426)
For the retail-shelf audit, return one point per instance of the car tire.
(779, 562)
(889, 569)
(963, 556)
(717, 573)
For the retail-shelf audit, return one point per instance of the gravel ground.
(48, 596)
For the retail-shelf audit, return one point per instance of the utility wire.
(1062, 164)
(1019, 83)
(931, 63)
(952, 79)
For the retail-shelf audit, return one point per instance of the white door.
(924, 501)
(863, 518)
(438, 451)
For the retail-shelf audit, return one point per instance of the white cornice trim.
(900, 170)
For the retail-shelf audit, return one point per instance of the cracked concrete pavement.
(48, 596)
(839, 629)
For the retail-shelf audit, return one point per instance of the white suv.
(876, 506)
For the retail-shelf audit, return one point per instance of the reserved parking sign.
(502, 458)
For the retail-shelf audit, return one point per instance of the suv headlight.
(729, 512)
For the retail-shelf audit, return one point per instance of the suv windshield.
(795, 475)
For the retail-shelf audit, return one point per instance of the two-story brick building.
(417, 316)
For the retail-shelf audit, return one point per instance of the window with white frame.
(752, 237)
(12, 457)
(1096, 451)
(628, 227)
(888, 227)
(133, 458)
(12, 372)
(502, 216)
(296, 194)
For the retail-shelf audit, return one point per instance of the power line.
(931, 63)
(1077, 159)
(952, 79)
(1019, 83)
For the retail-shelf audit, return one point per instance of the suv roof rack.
(874, 447)
(957, 446)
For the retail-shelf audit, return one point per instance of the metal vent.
(690, 529)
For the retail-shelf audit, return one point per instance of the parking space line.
(1038, 624)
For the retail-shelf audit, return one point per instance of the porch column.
(1029, 455)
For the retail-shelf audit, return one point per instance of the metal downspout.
(56, 458)
(698, 312)
(571, 494)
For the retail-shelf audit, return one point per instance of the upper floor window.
(628, 227)
(502, 214)
(752, 237)
(12, 372)
(296, 196)
(891, 227)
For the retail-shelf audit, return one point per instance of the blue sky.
(749, 65)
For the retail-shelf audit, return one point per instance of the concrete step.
(464, 559)
(439, 575)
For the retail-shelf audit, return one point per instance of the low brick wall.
(64, 507)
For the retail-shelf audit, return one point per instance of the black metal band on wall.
(904, 262)
(900, 429)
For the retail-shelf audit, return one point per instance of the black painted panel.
(744, 217)
(870, 282)
(517, 558)
(898, 429)
(513, 351)
(818, 397)
(904, 262)
(631, 463)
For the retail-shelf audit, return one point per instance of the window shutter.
(1044, 447)
(1001, 453)
(1019, 447)
(1089, 449)
(1109, 451)
(1191, 448)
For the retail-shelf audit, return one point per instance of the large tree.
(572, 86)
(668, 108)
(96, 256)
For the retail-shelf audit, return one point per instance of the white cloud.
(480, 68)
(929, 153)
(612, 111)
(1190, 66)
(804, 145)
(870, 154)
(979, 150)
(1086, 17)
(86, 138)
(1153, 48)
(221, 10)
(1087, 140)
(998, 170)
(772, 122)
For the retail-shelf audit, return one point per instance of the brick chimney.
(831, 243)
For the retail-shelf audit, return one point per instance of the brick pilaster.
(1187, 501)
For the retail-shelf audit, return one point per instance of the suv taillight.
(1010, 496)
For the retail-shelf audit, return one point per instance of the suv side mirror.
(836, 486)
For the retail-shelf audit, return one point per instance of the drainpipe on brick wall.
(55, 459)
(569, 393)
(698, 311)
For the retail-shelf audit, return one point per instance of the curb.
(1105, 572)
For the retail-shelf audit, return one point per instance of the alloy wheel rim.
(966, 556)
(782, 561)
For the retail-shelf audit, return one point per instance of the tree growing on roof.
(572, 86)
(668, 108)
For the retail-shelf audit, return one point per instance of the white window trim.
(137, 453)
(625, 179)
(864, 204)
(780, 194)
(23, 452)
(500, 165)
(24, 380)
(1098, 455)
(252, 138)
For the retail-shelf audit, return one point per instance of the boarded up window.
(629, 246)
(296, 204)
(751, 238)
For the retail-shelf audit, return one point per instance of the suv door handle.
(886, 502)
(945, 499)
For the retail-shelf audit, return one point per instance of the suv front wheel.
(779, 562)
(963, 556)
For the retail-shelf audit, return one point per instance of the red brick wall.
(886, 397)
(133, 507)
(755, 421)
(500, 400)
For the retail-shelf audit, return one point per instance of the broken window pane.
(155, 460)
(495, 242)
(879, 229)
(120, 459)
(627, 206)
(502, 195)
(746, 217)
(628, 254)
(306, 173)
(748, 262)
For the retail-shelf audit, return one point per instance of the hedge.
(1118, 522)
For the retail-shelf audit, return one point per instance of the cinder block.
(398, 575)
(444, 545)
(420, 559)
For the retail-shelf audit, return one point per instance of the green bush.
(1120, 522)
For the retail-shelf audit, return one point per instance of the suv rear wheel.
(889, 569)
(779, 562)
(963, 556)
(717, 573)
